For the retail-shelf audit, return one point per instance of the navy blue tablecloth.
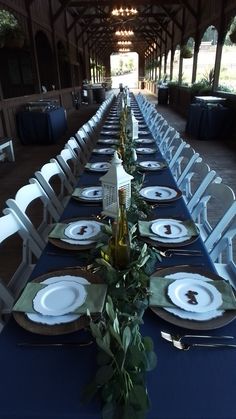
(209, 122)
(47, 383)
(41, 127)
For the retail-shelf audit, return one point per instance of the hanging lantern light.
(115, 179)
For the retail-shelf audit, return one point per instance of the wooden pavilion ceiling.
(149, 25)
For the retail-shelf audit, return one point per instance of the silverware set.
(178, 341)
(54, 344)
(179, 252)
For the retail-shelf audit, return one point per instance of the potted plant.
(11, 34)
(186, 52)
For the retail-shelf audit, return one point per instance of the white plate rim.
(44, 292)
(74, 224)
(173, 193)
(159, 223)
(190, 282)
(88, 189)
(66, 318)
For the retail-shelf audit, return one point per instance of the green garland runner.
(124, 355)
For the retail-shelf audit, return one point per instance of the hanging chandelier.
(124, 33)
(124, 49)
(124, 43)
(124, 11)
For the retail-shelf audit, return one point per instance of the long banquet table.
(47, 382)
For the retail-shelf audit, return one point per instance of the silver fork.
(178, 338)
(186, 346)
(180, 252)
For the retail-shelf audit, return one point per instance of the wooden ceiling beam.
(76, 20)
(170, 15)
(94, 3)
(190, 9)
(62, 8)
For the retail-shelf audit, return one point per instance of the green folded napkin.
(159, 298)
(58, 233)
(145, 228)
(94, 302)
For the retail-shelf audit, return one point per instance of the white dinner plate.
(82, 230)
(158, 193)
(194, 295)
(59, 298)
(66, 318)
(145, 150)
(109, 132)
(100, 167)
(144, 141)
(108, 141)
(111, 126)
(144, 133)
(151, 165)
(92, 192)
(168, 228)
(103, 150)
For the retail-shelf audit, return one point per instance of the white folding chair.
(45, 213)
(70, 164)
(18, 246)
(73, 145)
(174, 151)
(184, 163)
(84, 144)
(221, 245)
(214, 202)
(55, 183)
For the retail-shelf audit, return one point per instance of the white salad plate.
(145, 150)
(168, 228)
(158, 193)
(144, 141)
(111, 126)
(92, 192)
(82, 230)
(151, 165)
(108, 141)
(103, 150)
(59, 298)
(144, 133)
(100, 167)
(109, 132)
(194, 295)
(189, 315)
(66, 318)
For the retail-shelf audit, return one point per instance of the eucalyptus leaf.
(148, 343)
(104, 347)
(103, 358)
(139, 398)
(126, 338)
(108, 411)
(95, 330)
(151, 360)
(107, 339)
(104, 374)
(110, 309)
(116, 325)
(115, 335)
